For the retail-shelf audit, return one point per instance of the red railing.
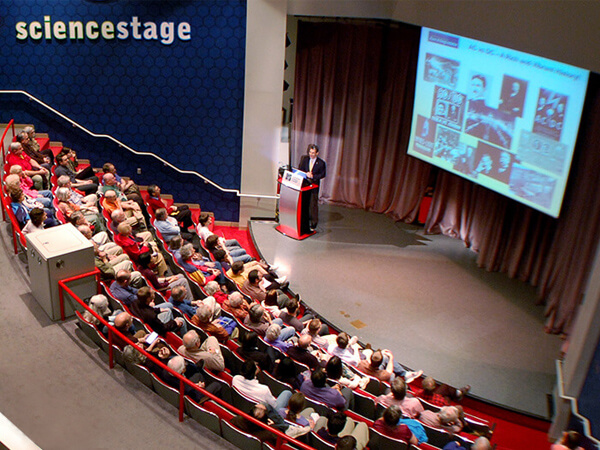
(11, 124)
(62, 288)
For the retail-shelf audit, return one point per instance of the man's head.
(109, 168)
(336, 423)
(191, 340)
(347, 442)
(118, 216)
(145, 295)
(177, 364)
(392, 415)
(318, 377)
(204, 218)
(153, 190)
(123, 321)
(204, 313)
(123, 278)
(312, 150)
(17, 196)
(273, 332)
(178, 293)
(63, 181)
(237, 267)
(254, 277)
(376, 359)
(13, 182)
(398, 388)
(124, 229)
(30, 132)
(304, 341)
(161, 214)
(235, 299)
(211, 287)
(109, 179)
(186, 252)
(482, 443)
(428, 384)
(77, 218)
(37, 216)
(249, 340)
(85, 230)
(16, 148)
(314, 326)
(292, 306)
(249, 370)
(342, 340)
(23, 137)
(256, 312)
(62, 159)
(110, 196)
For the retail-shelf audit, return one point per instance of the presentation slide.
(505, 119)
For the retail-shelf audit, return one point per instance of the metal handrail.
(137, 152)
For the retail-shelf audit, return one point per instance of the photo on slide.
(543, 152)
(512, 96)
(441, 70)
(531, 185)
(493, 162)
(446, 141)
(489, 124)
(550, 114)
(463, 159)
(448, 107)
(425, 137)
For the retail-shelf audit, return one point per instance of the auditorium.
(494, 285)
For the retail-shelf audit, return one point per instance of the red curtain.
(354, 96)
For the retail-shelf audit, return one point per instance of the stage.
(424, 298)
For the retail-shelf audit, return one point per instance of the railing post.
(181, 403)
(61, 299)
(111, 362)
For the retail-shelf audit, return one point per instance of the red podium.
(294, 201)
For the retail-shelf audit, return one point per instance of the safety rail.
(137, 152)
(62, 288)
(10, 124)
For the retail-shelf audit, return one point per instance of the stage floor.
(424, 298)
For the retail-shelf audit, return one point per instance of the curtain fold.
(353, 97)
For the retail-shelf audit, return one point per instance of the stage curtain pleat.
(353, 97)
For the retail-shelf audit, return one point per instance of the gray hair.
(448, 414)
(481, 443)
(132, 355)
(177, 364)
(204, 313)
(235, 299)
(256, 312)
(28, 130)
(63, 180)
(63, 193)
(273, 332)
(16, 169)
(15, 146)
(191, 339)
(98, 304)
(211, 287)
(186, 251)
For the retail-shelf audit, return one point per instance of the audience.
(390, 425)
(80, 180)
(441, 395)
(316, 388)
(338, 425)
(158, 317)
(182, 213)
(249, 386)
(410, 406)
(208, 351)
(31, 168)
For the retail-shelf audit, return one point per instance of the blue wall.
(181, 100)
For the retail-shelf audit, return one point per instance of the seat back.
(170, 394)
(379, 441)
(276, 386)
(318, 443)
(241, 402)
(141, 373)
(238, 438)
(204, 417)
(89, 330)
(364, 404)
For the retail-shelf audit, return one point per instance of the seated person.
(33, 146)
(249, 351)
(80, 180)
(338, 425)
(389, 425)
(109, 257)
(213, 289)
(121, 288)
(134, 247)
(21, 208)
(441, 395)
(248, 385)
(214, 242)
(37, 217)
(118, 217)
(132, 355)
(319, 332)
(272, 337)
(257, 320)
(162, 284)
(30, 167)
(169, 227)
(253, 288)
(124, 324)
(17, 178)
(236, 305)
(410, 406)
(182, 299)
(290, 316)
(286, 371)
(109, 183)
(316, 388)
(207, 351)
(338, 372)
(296, 411)
(86, 203)
(127, 186)
(13, 184)
(99, 304)
(239, 272)
(158, 317)
(182, 213)
(271, 305)
(203, 319)
(190, 266)
(569, 440)
(301, 353)
(178, 364)
(110, 202)
(29, 150)
(449, 418)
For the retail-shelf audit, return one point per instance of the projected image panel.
(502, 118)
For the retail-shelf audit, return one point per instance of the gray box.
(55, 254)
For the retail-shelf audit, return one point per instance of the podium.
(294, 203)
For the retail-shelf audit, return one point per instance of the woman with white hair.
(272, 337)
(99, 304)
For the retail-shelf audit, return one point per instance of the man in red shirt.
(30, 167)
